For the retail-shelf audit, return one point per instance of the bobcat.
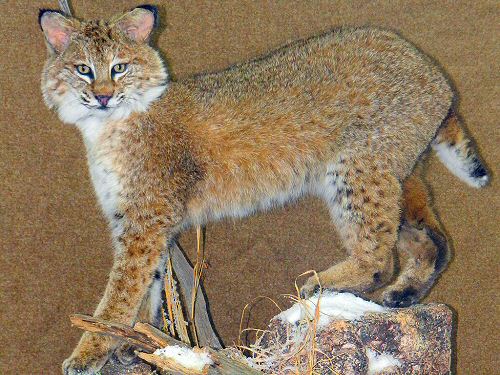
(344, 116)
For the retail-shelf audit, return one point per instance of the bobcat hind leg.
(422, 247)
(364, 201)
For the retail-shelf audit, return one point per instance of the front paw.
(91, 354)
(314, 287)
(310, 288)
(80, 366)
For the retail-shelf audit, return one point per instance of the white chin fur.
(72, 111)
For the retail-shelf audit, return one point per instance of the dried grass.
(296, 352)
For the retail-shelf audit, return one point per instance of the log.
(148, 338)
(159, 338)
(228, 365)
(117, 330)
(224, 364)
(170, 365)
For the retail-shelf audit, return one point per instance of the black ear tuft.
(41, 12)
(153, 9)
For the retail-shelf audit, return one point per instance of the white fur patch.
(106, 183)
(156, 292)
(155, 298)
(458, 164)
(378, 362)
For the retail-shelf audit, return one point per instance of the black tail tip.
(479, 173)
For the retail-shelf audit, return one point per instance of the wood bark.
(147, 339)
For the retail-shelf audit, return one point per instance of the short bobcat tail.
(458, 153)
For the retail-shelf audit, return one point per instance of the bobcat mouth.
(99, 107)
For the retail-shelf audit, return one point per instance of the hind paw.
(401, 298)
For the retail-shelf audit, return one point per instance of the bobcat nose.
(103, 99)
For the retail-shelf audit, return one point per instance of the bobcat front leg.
(141, 246)
(149, 312)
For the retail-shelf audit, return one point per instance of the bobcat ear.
(57, 29)
(139, 22)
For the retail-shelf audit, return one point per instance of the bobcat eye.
(118, 69)
(85, 70)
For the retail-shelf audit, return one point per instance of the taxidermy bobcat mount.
(344, 116)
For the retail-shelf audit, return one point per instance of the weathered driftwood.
(169, 366)
(185, 277)
(148, 338)
(224, 365)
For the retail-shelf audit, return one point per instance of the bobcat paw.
(400, 298)
(309, 289)
(80, 366)
(312, 287)
(91, 354)
(125, 354)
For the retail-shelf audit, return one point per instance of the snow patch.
(332, 306)
(378, 362)
(185, 357)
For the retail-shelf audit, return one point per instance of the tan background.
(56, 251)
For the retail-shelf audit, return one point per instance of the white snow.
(378, 362)
(185, 357)
(332, 306)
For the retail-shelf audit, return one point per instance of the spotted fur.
(344, 116)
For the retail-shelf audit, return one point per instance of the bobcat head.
(98, 71)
